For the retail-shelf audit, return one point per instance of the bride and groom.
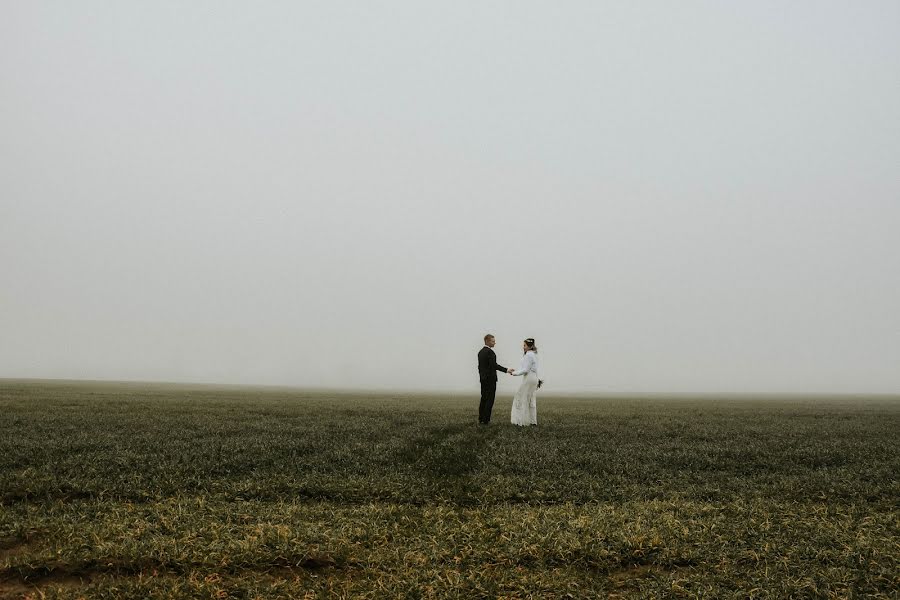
(524, 407)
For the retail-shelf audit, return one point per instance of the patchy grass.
(139, 491)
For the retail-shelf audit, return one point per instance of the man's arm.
(496, 366)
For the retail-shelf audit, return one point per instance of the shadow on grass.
(448, 451)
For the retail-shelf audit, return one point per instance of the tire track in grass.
(17, 582)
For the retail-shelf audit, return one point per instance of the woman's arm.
(527, 361)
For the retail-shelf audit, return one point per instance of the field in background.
(140, 491)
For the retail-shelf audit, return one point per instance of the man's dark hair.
(487, 337)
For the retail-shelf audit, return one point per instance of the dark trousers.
(488, 391)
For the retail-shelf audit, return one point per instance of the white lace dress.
(524, 406)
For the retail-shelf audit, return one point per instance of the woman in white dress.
(524, 406)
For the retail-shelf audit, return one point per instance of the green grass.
(153, 491)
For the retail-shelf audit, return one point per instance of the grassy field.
(140, 491)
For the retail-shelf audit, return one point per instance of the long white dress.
(524, 406)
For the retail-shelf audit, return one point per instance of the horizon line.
(379, 391)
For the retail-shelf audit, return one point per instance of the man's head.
(489, 341)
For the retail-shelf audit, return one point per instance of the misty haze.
(701, 198)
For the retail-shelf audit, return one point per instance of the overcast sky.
(668, 196)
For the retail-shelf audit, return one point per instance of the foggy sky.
(675, 197)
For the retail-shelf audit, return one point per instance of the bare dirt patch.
(10, 590)
(13, 546)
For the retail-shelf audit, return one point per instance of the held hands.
(510, 371)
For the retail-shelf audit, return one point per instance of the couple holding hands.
(524, 406)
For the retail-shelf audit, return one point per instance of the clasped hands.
(510, 371)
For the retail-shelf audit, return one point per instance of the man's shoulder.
(485, 350)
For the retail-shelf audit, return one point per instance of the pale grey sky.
(690, 196)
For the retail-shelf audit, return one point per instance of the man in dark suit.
(487, 373)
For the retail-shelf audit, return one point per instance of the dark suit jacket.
(487, 365)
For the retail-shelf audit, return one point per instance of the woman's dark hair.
(529, 342)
